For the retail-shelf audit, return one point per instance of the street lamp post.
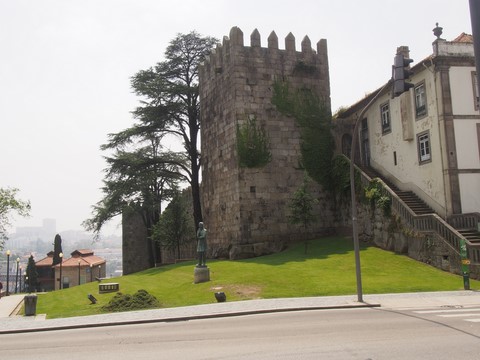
(16, 277)
(356, 244)
(61, 261)
(79, 272)
(91, 272)
(99, 271)
(20, 281)
(8, 270)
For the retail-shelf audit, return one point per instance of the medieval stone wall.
(135, 250)
(246, 209)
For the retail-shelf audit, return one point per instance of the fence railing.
(434, 223)
(465, 221)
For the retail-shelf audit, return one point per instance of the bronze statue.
(201, 245)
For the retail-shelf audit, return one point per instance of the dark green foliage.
(138, 301)
(301, 68)
(376, 194)
(252, 145)
(31, 275)
(341, 174)
(175, 227)
(57, 249)
(301, 207)
(170, 101)
(10, 203)
(314, 120)
(141, 173)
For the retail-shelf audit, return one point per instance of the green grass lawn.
(327, 269)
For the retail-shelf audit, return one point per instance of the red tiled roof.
(86, 257)
(82, 252)
(84, 261)
(48, 261)
(464, 38)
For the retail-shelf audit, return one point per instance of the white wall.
(461, 87)
(466, 137)
(426, 180)
(469, 192)
(466, 140)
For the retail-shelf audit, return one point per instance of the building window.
(424, 154)
(420, 100)
(475, 90)
(385, 115)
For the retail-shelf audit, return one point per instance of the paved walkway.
(16, 324)
(8, 304)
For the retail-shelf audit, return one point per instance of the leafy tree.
(301, 207)
(10, 203)
(138, 179)
(314, 119)
(57, 249)
(175, 227)
(141, 173)
(32, 274)
(170, 101)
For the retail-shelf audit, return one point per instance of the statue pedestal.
(201, 274)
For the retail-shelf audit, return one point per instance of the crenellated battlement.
(232, 50)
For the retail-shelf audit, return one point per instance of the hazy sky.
(65, 68)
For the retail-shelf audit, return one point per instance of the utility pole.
(356, 243)
(400, 73)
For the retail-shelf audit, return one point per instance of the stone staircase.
(459, 226)
(417, 205)
(471, 235)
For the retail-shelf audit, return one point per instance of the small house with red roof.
(45, 273)
(83, 266)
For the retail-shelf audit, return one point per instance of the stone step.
(471, 235)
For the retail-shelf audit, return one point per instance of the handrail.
(464, 221)
(433, 222)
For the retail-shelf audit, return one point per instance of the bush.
(126, 302)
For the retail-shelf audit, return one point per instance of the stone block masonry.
(246, 209)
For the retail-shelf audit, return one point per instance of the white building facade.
(427, 140)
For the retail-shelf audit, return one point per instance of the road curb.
(185, 318)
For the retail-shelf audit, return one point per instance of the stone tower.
(245, 210)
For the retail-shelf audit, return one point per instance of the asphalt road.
(367, 333)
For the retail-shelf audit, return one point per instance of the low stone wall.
(390, 233)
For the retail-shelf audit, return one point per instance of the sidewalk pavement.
(11, 323)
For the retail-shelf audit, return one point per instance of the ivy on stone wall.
(378, 196)
(252, 144)
(313, 117)
(341, 174)
(304, 69)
